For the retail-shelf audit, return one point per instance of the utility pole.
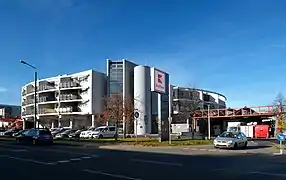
(35, 88)
(209, 123)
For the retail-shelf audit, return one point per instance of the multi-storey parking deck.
(261, 112)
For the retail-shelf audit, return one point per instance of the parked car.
(35, 136)
(86, 133)
(10, 132)
(66, 133)
(103, 132)
(19, 132)
(231, 140)
(58, 131)
(76, 134)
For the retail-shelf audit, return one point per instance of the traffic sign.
(280, 137)
(136, 114)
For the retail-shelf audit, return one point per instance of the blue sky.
(234, 47)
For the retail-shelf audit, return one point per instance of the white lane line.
(26, 160)
(157, 162)
(111, 175)
(63, 161)
(53, 150)
(212, 150)
(19, 150)
(86, 157)
(75, 159)
(269, 174)
(13, 150)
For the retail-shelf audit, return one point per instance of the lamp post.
(35, 93)
(209, 123)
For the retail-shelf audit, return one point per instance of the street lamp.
(35, 93)
(209, 123)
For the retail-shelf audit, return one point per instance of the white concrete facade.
(142, 99)
(180, 94)
(69, 99)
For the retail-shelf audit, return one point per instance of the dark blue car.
(35, 136)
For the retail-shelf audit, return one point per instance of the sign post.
(136, 117)
(281, 138)
(170, 134)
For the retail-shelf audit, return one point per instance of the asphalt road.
(77, 162)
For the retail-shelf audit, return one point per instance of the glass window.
(44, 132)
(111, 128)
(32, 132)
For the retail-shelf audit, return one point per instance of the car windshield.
(99, 129)
(228, 135)
(91, 129)
(78, 131)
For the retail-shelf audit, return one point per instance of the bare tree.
(128, 114)
(120, 110)
(280, 102)
(100, 118)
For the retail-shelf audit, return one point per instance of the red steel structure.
(230, 113)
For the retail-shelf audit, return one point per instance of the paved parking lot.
(58, 162)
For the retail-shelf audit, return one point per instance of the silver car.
(231, 140)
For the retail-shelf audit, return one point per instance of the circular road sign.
(136, 114)
(280, 137)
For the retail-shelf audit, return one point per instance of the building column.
(59, 123)
(71, 123)
(93, 120)
(53, 124)
(24, 124)
(38, 124)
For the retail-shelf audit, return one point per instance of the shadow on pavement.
(256, 147)
(134, 165)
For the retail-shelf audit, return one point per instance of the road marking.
(53, 150)
(269, 174)
(203, 149)
(63, 161)
(111, 175)
(19, 150)
(86, 157)
(75, 159)
(26, 160)
(212, 150)
(157, 162)
(14, 150)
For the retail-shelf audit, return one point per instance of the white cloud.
(2, 89)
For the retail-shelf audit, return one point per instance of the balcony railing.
(64, 97)
(46, 87)
(69, 84)
(46, 111)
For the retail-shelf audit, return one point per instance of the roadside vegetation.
(144, 141)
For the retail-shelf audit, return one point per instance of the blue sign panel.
(280, 137)
(136, 114)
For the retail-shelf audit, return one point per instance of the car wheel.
(245, 145)
(215, 147)
(235, 146)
